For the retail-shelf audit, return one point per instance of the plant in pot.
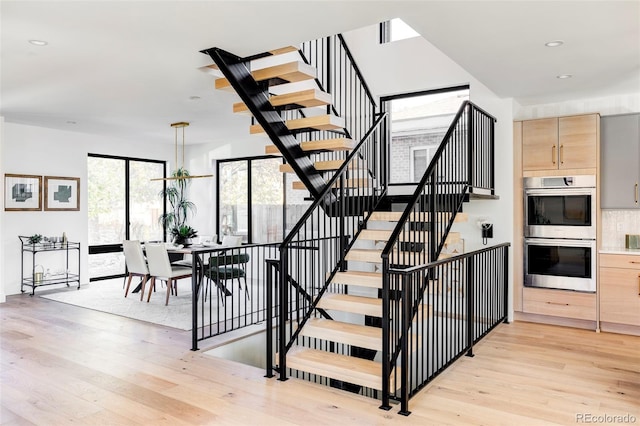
(175, 220)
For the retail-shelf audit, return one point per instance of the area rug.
(108, 296)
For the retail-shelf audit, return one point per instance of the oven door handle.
(562, 242)
(560, 192)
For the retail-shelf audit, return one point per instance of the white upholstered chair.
(160, 268)
(136, 264)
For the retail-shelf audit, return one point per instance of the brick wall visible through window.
(419, 122)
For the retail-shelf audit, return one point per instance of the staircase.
(344, 316)
(292, 91)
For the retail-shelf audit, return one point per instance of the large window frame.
(250, 177)
(117, 247)
(385, 102)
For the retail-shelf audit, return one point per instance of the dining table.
(198, 266)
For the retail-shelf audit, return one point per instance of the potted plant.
(183, 234)
(174, 221)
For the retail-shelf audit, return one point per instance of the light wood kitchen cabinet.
(559, 303)
(560, 143)
(620, 289)
(620, 162)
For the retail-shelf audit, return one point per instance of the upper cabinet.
(620, 162)
(560, 143)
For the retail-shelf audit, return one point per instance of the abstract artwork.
(22, 192)
(62, 193)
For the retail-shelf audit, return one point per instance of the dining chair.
(136, 264)
(160, 268)
(225, 267)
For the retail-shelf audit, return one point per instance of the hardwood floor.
(62, 364)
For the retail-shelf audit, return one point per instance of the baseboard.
(551, 320)
(611, 327)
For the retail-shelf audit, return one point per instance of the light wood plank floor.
(62, 364)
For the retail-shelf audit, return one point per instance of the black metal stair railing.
(461, 300)
(314, 251)
(339, 75)
(462, 164)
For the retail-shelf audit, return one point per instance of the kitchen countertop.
(619, 250)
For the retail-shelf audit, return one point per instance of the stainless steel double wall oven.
(560, 232)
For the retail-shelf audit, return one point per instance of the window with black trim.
(251, 199)
(123, 204)
(418, 123)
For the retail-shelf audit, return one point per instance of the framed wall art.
(22, 192)
(61, 193)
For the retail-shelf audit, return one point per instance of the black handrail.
(356, 68)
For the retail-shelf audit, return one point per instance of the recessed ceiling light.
(194, 98)
(71, 122)
(554, 43)
(38, 42)
(563, 76)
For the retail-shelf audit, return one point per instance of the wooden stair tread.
(407, 236)
(319, 165)
(334, 144)
(354, 304)
(349, 183)
(289, 72)
(274, 52)
(316, 122)
(351, 334)
(364, 255)
(341, 367)
(359, 278)
(304, 99)
(385, 216)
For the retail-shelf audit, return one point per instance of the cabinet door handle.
(562, 304)
(638, 285)
(553, 154)
(636, 192)
(561, 154)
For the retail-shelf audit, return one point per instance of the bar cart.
(39, 278)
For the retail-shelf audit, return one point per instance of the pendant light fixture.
(180, 172)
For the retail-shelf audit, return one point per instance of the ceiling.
(127, 69)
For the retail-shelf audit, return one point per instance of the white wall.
(415, 65)
(47, 152)
(610, 105)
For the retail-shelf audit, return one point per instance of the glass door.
(123, 204)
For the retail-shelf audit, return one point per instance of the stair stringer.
(254, 96)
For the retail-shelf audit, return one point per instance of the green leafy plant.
(179, 206)
(35, 239)
(183, 233)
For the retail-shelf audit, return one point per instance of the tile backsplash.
(617, 223)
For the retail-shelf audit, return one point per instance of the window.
(123, 203)
(251, 199)
(418, 123)
(395, 30)
(420, 158)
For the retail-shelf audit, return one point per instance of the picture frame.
(61, 193)
(22, 192)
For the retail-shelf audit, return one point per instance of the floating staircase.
(307, 101)
(345, 309)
